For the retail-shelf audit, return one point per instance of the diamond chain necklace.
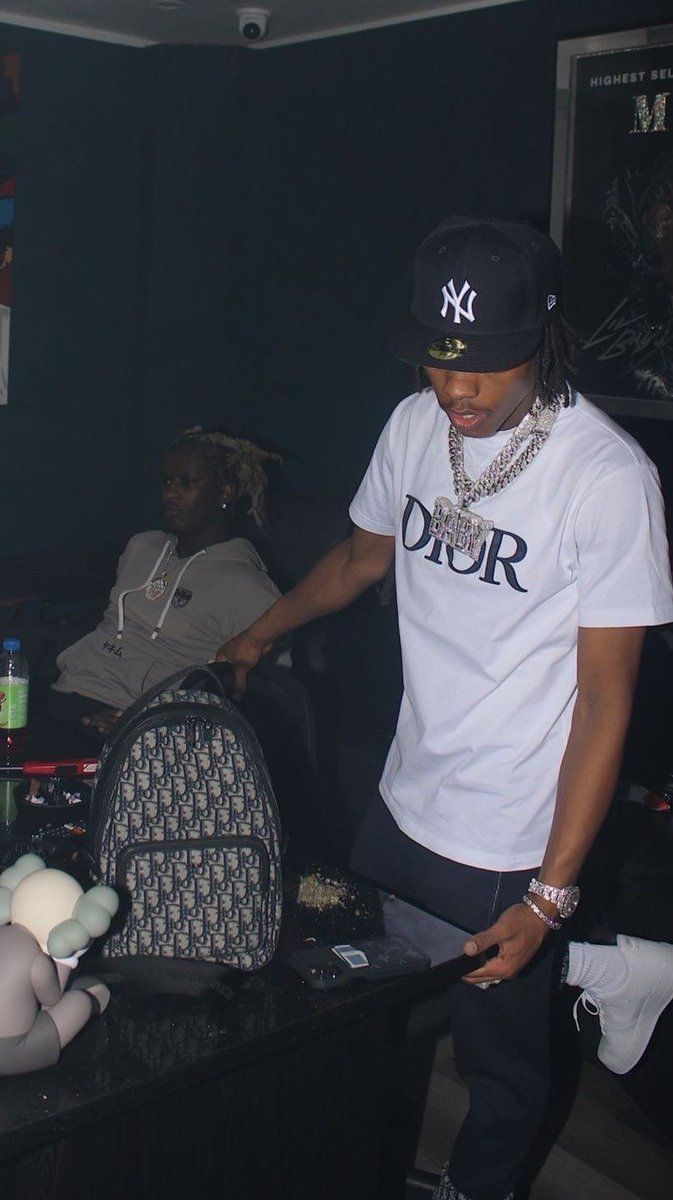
(455, 524)
(157, 585)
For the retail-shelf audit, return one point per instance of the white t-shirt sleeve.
(624, 576)
(373, 506)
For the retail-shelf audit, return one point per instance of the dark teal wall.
(363, 144)
(217, 234)
(193, 242)
(126, 249)
(68, 450)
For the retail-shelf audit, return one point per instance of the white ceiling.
(215, 22)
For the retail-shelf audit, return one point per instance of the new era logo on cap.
(551, 301)
(447, 349)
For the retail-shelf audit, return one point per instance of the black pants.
(58, 732)
(501, 1034)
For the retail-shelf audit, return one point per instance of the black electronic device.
(337, 964)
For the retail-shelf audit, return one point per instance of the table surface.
(146, 1045)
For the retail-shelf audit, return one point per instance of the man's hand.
(345, 572)
(103, 720)
(518, 933)
(243, 653)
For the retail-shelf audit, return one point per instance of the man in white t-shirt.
(530, 552)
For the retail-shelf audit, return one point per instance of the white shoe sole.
(647, 1019)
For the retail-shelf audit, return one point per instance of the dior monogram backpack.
(184, 824)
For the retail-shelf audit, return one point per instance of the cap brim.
(463, 351)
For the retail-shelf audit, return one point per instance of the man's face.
(192, 500)
(481, 404)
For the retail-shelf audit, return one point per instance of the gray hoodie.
(200, 602)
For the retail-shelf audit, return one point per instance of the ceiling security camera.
(252, 23)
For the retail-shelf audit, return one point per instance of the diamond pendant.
(458, 527)
(156, 588)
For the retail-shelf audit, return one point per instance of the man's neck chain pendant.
(455, 524)
(157, 586)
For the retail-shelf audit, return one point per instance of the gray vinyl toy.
(46, 923)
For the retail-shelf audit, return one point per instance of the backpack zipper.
(189, 711)
(224, 842)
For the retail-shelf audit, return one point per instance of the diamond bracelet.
(539, 913)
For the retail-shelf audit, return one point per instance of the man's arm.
(607, 661)
(607, 668)
(338, 579)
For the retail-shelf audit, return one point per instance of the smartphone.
(336, 964)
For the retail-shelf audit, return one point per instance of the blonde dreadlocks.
(236, 461)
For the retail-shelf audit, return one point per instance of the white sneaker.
(629, 1014)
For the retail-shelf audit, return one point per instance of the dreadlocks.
(555, 359)
(235, 461)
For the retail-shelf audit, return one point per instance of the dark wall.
(193, 246)
(218, 234)
(68, 448)
(361, 144)
(126, 249)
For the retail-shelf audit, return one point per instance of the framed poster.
(612, 214)
(9, 103)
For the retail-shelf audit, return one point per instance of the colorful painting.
(9, 103)
(613, 214)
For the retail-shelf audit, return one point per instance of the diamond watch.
(566, 899)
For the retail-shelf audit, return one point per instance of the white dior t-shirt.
(489, 647)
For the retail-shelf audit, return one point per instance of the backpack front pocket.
(204, 898)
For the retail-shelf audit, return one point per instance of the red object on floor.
(657, 803)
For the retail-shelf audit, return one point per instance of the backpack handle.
(129, 715)
(224, 686)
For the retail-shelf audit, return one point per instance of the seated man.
(179, 592)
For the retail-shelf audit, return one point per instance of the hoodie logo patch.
(181, 598)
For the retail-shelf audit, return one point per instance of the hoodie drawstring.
(168, 546)
(157, 628)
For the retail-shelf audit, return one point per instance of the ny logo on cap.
(455, 298)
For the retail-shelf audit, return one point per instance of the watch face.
(569, 902)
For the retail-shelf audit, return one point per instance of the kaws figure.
(53, 922)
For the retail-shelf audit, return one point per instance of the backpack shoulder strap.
(222, 678)
(223, 681)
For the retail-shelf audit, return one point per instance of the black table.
(279, 1093)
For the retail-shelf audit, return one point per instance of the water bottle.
(14, 683)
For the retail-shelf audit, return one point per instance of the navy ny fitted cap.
(484, 291)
